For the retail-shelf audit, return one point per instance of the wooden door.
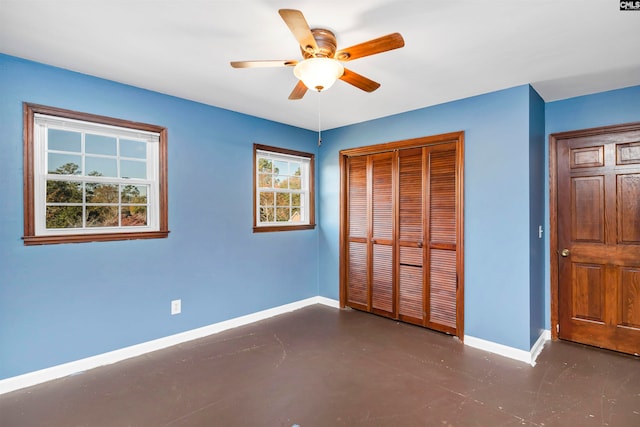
(382, 236)
(411, 214)
(427, 236)
(370, 236)
(442, 250)
(598, 237)
(356, 285)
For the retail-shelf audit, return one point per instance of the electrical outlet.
(176, 306)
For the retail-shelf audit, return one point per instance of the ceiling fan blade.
(263, 63)
(359, 81)
(300, 29)
(298, 91)
(379, 45)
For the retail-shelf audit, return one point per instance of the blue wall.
(497, 237)
(583, 112)
(601, 109)
(60, 303)
(537, 201)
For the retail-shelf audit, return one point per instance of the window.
(283, 189)
(92, 178)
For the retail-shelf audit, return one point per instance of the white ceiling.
(454, 49)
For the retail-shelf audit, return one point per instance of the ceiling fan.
(322, 61)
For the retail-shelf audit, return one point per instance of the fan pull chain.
(319, 123)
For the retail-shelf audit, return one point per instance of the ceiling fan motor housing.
(326, 42)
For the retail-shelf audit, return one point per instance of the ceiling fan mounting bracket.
(326, 42)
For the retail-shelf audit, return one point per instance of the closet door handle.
(420, 244)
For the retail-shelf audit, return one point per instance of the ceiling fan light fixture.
(318, 73)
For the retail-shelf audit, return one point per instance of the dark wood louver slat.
(442, 239)
(382, 202)
(442, 278)
(357, 288)
(357, 292)
(411, 294)
(357, 176)
(382, 279)
(442, 206)
(382, 301)
(410, 200)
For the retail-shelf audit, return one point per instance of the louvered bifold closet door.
(411, 217)
(382, 238)
(401, 234)
(357, 274)
(441, 249)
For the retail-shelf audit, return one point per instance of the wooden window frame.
(30, 236)
(269, 228)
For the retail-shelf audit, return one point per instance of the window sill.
(269, 228)
(82, 238)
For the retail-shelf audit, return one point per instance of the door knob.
(565, 253)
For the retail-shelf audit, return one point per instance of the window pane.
(266, 199)
(64, 140)
(295, 200)
(294, 183)
(99, 144)
(102, 193)
(64, 216)
(264, 180)
(295, 169)
(280, 167)
(283, 199)
(102, 216)
(282, 214)
(135, 149)
(266, 215)
(64, 192)
(133, 169)
(264, 165)
(101, 166)
(282, 182)
(134, 194)
(133, 216)
(296, 215)
(64, 164)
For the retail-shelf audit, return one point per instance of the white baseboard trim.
(66, 369)
(510, 352)
(328, 302)
(539, 345)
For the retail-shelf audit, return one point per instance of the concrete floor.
(319, 366)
